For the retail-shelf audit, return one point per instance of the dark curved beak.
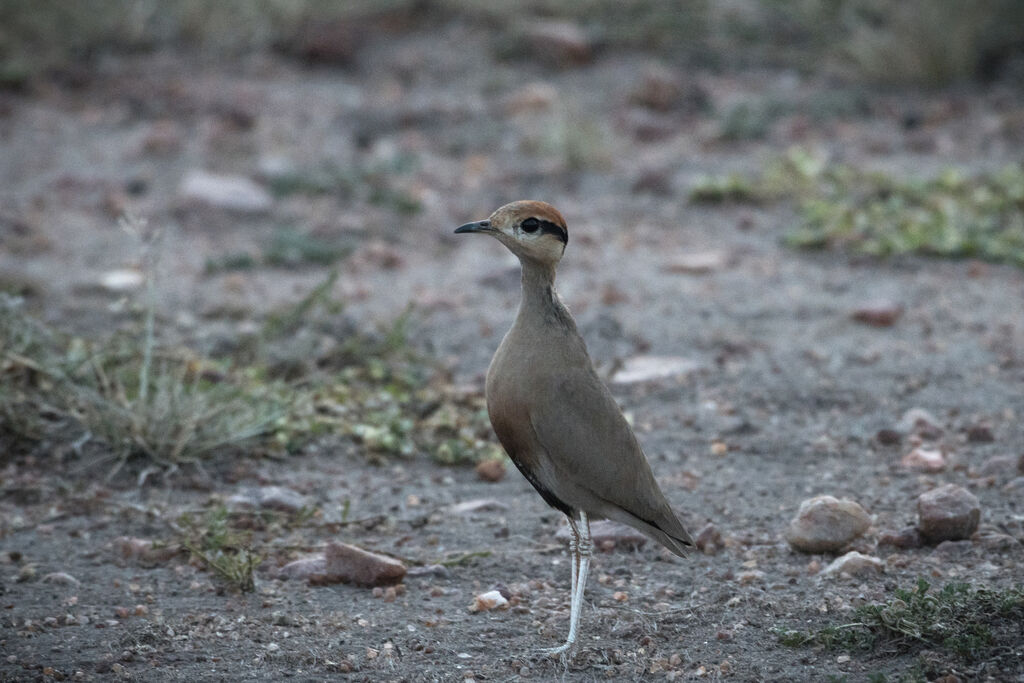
(478, 226)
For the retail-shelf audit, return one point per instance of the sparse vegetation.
(952, 215)
(966, 621)
(222, 548)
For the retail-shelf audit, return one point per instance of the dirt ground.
(788, 394)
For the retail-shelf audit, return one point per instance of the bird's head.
(531, 230)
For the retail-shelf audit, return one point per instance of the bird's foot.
(562, 651)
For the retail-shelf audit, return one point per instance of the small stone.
(953, 549)
(980, 432)
(719, 448)
(908, 537)
(608, 535)
(490, 470)
(230, 192)
(269, 498)
(825, 524)
(310, 569)
(660, 88)
(640, 369)
(620, 596)
(697, 263)
(558, 43)
(122, 280)
(709, 540)
(854, 564)
(948, 513)
(1014, 485)
(924, 460)
(878, 313)
(997, 465)
(888, 437)
(488, 601)
(62, 578)
(477, 505)
(349, 564)
(752, 576)
(163, 137)
(919, 421)
(143, 551)
(842, 659)
(532, 97)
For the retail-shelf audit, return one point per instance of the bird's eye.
(530, 225)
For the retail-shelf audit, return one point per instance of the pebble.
(343, 563)
(532, 97)
(697, 263)
(143, 550)
(947, 513)
(825, 524)
(62, 578)
(1005, 465)
(920, 421)
(558, 43)
(122, 280)
(908, 537)
(878, 313)
(269, 498)
(608, 535)
(980, 432)
(477, 505)
(488, 601)
(854, 564)
(660, 88)
(709, 540)
(490, 470)
(648, 368)
(231, 192)
(923, 459)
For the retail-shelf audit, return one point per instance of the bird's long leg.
(580, 546)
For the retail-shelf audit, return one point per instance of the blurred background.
(229, 283)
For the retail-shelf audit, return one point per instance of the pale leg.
(580, 547)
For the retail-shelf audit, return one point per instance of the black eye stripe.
(531, 225)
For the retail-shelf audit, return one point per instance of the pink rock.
(924, 460)
(854, 564)
(349, 564)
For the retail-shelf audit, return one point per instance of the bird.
(555, 418)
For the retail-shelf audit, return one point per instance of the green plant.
(958, 618)
(220, 547)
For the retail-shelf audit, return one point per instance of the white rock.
(488, 601)
(122, 280)
(648, 368)
(697, 263)
(854, 564)
(476, 505)
(235, 193)
(924, 460)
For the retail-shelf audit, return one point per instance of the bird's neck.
(540, 303)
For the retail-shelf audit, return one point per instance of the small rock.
(854, 564)
(1014, 485)
(343, 563)
(163, 137)
(905, 538)
(878, 313)
(608, 535)
(310, 569)
(997, 465)
(62, 578)
(532, 97)
(477, 505)
(920, 421)
(620, 596)
(752, 576)
(488, 601)
(709, 540)
(438, 570)
(980, 432)
(490, 470)
(648, 368)
(947, 513)
(269, 498)
(234, 193)
(349, 564)
(697, 263)
(888, 437)
(143, 551)
(954, 548)
(824, 524)
(655, 181)
(924, 460)
(558, 43)
(122, 280)
(335, 42)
